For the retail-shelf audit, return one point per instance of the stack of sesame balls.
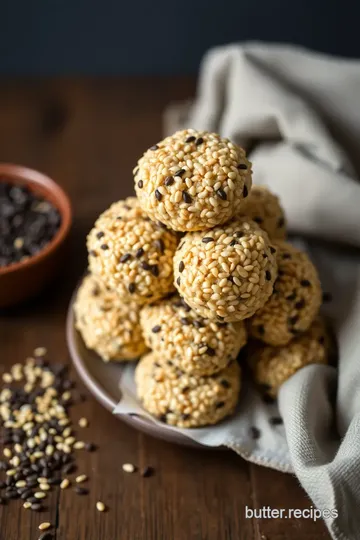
(183, 274)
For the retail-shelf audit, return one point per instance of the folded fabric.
(299, 114)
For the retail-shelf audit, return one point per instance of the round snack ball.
(106, 324)
(295, 302)
(195, 345)
(192, 180)
(132, 255)
(183, 400)
(226, 273)
(272, 366)
(263, 207)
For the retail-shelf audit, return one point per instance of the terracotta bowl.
(22, 280)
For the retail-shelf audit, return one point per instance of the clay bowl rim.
(20, 175)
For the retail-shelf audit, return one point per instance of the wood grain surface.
(87, 135)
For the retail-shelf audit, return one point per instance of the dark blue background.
(158, 36)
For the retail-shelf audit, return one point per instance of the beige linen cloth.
(300, 113)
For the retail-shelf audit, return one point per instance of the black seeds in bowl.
(27, 223)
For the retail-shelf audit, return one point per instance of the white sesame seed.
(27, 505)
(129, 467)
(44, 526)
(40, 351)
(83, 422)
(65, 484)
(100, 506)
(40, 495)
(81, 478)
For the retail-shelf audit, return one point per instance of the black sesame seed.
(186, 197)
(207, 239)
(245, 192)
(154, 269)
(293, 320)
(145, 266)
(258, 220)
(81, 491)
(305, 283)
(268, 399)
(178, 281)
(185, 321)
(291, 296)
(155, 147)
(242, 166)
(54, 481)
(158, 195)
(239, 234)
(159, 245)
(268, 275)
(181, 266)
(185, 416)
(222, 194)
(156, 329)
(255, 433)
(276, 421)
(300, 304)
(124, 258)
(233, 243)
(2, 501)
(69, 468)
(198, 324)
(327, 297)
(185, 389)
(162, 418)
(225, 383)
(180, 172)
(286, 256)
(147, 471)
(90, 447)
(231, 279)
(140, 252)
(190, 139)
(132, 288)
(272, 249)
(140, 184)
(99, 235)
(169, 180)
(219, 404)
(36, 506)
(200, 140)
(104, 247)
(281, 222)
(210, 351)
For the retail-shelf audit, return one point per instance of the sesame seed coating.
(263, 207)
(195, 345)
(183, 400)
(106, 323)
(230, 277)
(295, 302)
(132, 255)
(272, 366)
(193, 180)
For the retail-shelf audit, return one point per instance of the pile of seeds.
(27, 223)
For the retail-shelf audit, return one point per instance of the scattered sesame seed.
(65, 483)
(83, 422)
(40, 351)
(158, 195)
(39, 495)
(27, 505)
(129, 467)
(81, 478)
(255, 433)
(100, 506)
(140, 184)
(44, 526)
(147, 471)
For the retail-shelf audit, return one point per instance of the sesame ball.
(193, 180)
(183, 400)
(263, 207)
(295, 302)
(272, 366)
(195, 345)
(227, 273)
(132, 255)
(108, 325)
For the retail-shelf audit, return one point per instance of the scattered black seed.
(185, 389)
(268, 275)
(222, 194)
(231, 279)
(272, 249)
(190, 139)
(147, 471)
(261, 330)
(140, 252)
(327, 297)
(178, 281)
(54, 481)
(233, 243)
(291, 296)
(169, 180)
(293, 320)
(242, 166)
(239, 234)
(132, 288)
(225, 383)
(210, 351)
(276, 421)
(104, 247)
(124, 258)
(207, 239)
(198, 324)
(181, 266)
(186, 197)
(154, 269)
(245, 192)
(219, 404)
(70, 468)
(268, 399)
(281, 222)
(162, 418)
(161, 225)
(185, 416)
(99, 235)
(255, 432)
(199, 141)
(156, 329)
(140, 184)
(90, 447)
(81, 491)
(36, 506)
(300, 304)
(46, 536)
(286, 255)
(180, 172)
(2, 484)
(305, 283)
(11, 494)
(155, 147)
(145, 266)
(158, 195)
(160, 246)
(185, 321)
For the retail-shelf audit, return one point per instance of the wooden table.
(88, 134)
